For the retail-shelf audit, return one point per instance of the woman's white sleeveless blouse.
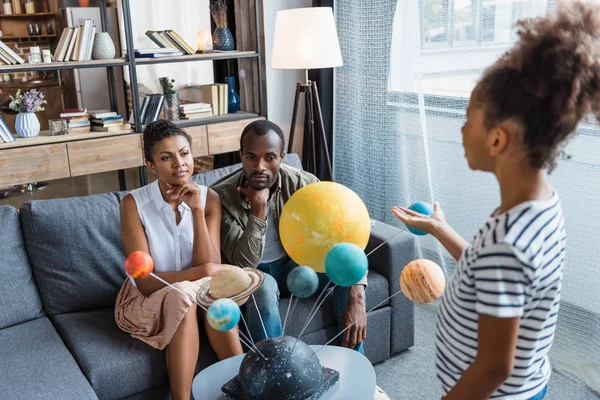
(170, 244)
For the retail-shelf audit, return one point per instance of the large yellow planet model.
(319, 216)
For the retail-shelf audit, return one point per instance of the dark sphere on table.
(285, 375)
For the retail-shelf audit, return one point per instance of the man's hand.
(355, 312)
(257, 199)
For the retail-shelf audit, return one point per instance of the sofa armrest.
(389, 260)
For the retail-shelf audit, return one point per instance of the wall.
(281, 84)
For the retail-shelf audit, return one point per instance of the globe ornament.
(346, 264)
(223, 314)
(289, 371)
(320, 216)
(420, 207)
(302, 282)
(422, 281)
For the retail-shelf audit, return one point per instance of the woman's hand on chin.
(188, 192)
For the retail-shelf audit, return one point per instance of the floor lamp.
(306, 38)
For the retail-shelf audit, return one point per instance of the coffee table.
(357, 376)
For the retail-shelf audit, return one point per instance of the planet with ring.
(231, 282)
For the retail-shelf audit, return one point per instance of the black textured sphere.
(285, 375)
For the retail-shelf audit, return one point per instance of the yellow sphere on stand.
(320, 216)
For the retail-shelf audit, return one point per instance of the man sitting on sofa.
(252, 200)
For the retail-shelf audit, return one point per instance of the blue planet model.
(223, 314)
(346, 264)
(302, 282)
(421, 207)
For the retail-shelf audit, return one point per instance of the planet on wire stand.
(289, 371)
(302, 282)
(223, 314)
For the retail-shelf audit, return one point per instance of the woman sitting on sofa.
(178, 223)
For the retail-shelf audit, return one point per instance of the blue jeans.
(274, 287)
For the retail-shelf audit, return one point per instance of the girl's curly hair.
(157, 131)
(548, 81)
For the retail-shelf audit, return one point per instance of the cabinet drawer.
(225, 137)
(32, 164)
(109, 154)
(199, 140)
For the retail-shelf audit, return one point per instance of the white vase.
(27, 125)
(104, 48)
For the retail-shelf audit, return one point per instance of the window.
(427, 59)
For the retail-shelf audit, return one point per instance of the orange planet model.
(139, 264)
(422, 281)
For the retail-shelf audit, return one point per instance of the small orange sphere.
(139, 264)
(422, 281)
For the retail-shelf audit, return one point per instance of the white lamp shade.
(305, 38)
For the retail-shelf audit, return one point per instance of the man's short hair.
(261, 128)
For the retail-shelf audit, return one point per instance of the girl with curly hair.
(498, 314)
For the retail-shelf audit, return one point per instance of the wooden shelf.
(28, 37)
(45, 138)
(238, 116)
(4, 69)
(197, 57)
(24, 15)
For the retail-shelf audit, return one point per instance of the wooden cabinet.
(32, 164)
(199, 140)
(225, 137)
(109, 154)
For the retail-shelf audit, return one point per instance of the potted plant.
(222, 37)
(27, 104)
(171, 103)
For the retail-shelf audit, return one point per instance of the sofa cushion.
(377, 292)
(19, 298)
(116, 364)
(36, 364)
(76, 251)
(210, 177)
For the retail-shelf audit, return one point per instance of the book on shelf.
(103, 114)
(9, 54)
(169, 53)
(6, 135)
(170, 39)
(76, 42)
(73, 112)
(195, 110)
(216, 95)
(111, 128)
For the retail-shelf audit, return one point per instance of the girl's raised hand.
(427, 223)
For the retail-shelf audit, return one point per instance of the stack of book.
(107, 121)
(78, 120)
(195, 110)
(76, 42)
(8, 56)
(215, 94)
(6, 135)
(170, 39)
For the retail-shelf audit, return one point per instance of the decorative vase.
(104, 48)
(27, 124)
(223, 40)
(83, 3)
(233, 98)
(171, 107)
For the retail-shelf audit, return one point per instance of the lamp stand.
(313, 114)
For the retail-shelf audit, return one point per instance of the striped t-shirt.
(512, 268)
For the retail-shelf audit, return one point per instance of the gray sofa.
(61, 266)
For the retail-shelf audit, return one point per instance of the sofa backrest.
(75, 247)
(76, 251)
(19, 298)
(210, 177)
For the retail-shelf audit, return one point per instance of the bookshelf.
(211, 135)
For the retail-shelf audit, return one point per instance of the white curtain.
(186, 17)
(438, 51)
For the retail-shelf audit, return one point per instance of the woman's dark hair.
(548, 81)
(157, 131)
